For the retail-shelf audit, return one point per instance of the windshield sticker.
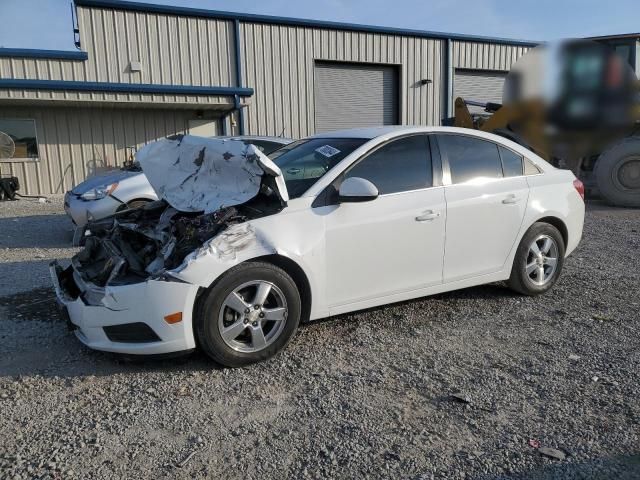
(327, 150)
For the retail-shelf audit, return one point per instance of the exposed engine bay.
(206, 186)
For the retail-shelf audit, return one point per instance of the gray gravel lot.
(361, 395)
(32, 234)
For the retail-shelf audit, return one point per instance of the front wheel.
(249, 315)
(538, 261)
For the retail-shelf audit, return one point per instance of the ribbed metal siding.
(278, 62)
(485, 56)
(349, 95)
(172, 50)
(482, 86)
(74, 142)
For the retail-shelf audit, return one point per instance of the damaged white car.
(241, 249)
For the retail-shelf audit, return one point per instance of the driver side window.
(399, 166)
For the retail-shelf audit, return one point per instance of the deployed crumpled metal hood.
(197, 174)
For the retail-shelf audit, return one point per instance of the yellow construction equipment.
(582, 114)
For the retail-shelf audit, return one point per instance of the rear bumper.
(90, 310)
(575, 224)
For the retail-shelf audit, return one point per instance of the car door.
(485, 207)
(394, 243)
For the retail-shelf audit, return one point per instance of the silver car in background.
(103, 195)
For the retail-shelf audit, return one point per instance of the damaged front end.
(206, 186)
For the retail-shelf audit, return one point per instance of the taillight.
(579, 186)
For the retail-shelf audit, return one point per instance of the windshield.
(305, 161)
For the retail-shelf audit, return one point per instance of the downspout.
(238, 58)
(449, 79)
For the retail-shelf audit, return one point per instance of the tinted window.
(470, 158)
(305, 161)
(399, 166)
(511, 163)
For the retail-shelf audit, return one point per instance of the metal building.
(146, 71)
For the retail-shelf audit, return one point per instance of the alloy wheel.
(542, 260)
(252, 316)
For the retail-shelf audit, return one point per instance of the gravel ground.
(362, 395)
(32, 234)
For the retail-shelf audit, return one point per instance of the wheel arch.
(298, 275)
(291, 267)
(125, 205)
(559, 224)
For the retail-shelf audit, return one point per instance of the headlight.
(99, 192)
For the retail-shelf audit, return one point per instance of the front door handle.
(293, 170)
(427, 216)
(510, 199)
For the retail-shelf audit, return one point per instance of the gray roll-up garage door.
(478, 85)
(350, 96)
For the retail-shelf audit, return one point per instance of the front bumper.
(91, 309)
(81, 211)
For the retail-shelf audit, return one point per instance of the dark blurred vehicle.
(575, 103)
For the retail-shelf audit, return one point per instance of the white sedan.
(338, 222)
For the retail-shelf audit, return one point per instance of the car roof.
(391, 130)
(381, 134)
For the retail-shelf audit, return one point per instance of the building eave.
(47, 54)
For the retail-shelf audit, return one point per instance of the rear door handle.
(427, 216)
(510, 199)
(293, 170)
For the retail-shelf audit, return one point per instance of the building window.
(18, 139)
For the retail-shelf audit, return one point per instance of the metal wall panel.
(485, 56)
(76, 142)
(278, 62)
(172, 51)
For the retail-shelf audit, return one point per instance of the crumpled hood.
(197, 174)
(105, 178)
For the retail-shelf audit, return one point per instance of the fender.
(251, 240)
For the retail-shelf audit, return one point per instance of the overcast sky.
(46, 24)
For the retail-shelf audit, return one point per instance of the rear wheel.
(249, 315)
(538, 261)
(617, 173)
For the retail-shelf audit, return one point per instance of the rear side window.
(399, 166)
(470, 158)
(530, 168)
(511, 163)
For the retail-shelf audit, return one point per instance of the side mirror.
(356, 189)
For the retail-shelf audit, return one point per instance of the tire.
(617, 173)
(526, 276)
(221, 310)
